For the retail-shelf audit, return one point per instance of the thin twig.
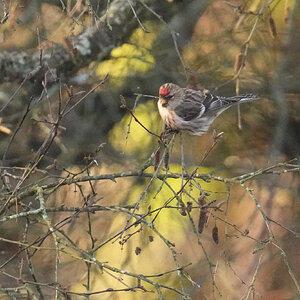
(124, 105)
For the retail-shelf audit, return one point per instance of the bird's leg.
(164, 144)
(167, 134)
(169, 130)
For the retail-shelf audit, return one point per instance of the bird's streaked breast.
(167, 115)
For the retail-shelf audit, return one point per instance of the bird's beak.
(163, 102)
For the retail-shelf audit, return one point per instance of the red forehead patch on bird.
(164, 91)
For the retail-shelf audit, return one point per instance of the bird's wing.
(213, 102)
(192, 105)
(218, 104)
(196, 104)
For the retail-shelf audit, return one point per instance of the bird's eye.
(169, 97)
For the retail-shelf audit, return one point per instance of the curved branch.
(279, 168)
(94, 43)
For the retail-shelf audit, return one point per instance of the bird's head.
(167, 93)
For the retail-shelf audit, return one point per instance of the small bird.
(191, 110)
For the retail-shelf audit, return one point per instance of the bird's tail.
(243, 98)
(220, 104)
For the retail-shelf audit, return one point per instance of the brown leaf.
(287, 15)
(4, 129)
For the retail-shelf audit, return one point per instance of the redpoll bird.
(187, 109)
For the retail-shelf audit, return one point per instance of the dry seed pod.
(239, 61)
(201, 200)
(215, 234)
(156, 159)
(272, 27)
(138, 250)
(151, 238)
(189, 206)
(182, 210)
(166, 160)
(246, 231)
(202, 219)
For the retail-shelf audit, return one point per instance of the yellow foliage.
(130, 58)
(279, 10)
(143, 39)
(138, 139)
